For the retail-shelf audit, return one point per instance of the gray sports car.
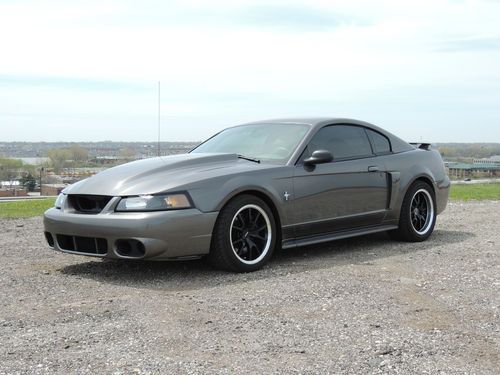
(252, 189)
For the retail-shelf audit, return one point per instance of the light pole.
(41, 171)
(159, 114)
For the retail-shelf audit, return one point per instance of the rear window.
(380, 143)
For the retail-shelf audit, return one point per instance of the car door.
(348, 193)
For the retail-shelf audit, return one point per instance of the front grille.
(88, 204)
(88, 245)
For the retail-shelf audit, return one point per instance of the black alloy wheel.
(244, 237)
(418, 214)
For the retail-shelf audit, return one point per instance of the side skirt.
(287, 244)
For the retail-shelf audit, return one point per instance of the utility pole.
(41, 171)
(159, 114)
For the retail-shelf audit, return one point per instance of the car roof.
(398, 145)
(315, 121)
(293, 120)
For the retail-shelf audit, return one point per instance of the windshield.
(268, 142)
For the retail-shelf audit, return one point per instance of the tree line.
(468, 150)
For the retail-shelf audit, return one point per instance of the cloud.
(71, 83)
(292, 18)
(471, 44)
(221, 62)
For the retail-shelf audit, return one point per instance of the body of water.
(33, 161)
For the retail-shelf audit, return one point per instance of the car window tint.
(343, 141)
(380, 143)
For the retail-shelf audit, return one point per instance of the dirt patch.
(364, 305)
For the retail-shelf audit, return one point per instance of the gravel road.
(359, 306)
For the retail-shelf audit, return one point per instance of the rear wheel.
(418, 214)
(244, 237)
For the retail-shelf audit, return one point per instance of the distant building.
(494, 160)
(464, 170)
(52, 189)
(9, 184)
(12, 189)
(108, 160)
(13, 193)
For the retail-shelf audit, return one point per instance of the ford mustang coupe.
(252, 189)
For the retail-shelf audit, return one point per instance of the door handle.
(373, 168)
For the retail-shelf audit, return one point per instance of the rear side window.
(380, 143)
(343, 141)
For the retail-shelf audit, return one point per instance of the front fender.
(215, 194)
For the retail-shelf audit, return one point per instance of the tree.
(28, 181)
(58, 158)
(78, 154)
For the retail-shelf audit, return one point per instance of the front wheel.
(244, 237)
(418, 214)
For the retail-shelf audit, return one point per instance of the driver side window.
(343, 141)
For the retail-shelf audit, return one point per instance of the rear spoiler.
(420, 145)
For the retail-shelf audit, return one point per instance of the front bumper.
(159, 235)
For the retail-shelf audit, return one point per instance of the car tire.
(418, 214)
(244, 237)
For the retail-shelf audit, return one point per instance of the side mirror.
(319, 157)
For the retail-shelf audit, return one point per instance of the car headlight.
(154, 203)
(60, 201)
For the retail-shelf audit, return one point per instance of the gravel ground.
(365, 305)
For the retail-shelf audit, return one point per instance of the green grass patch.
(25, 208)
(468, 192)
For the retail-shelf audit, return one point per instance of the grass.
(25, 208)
(468, 192)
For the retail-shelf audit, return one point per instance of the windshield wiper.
(248, 158)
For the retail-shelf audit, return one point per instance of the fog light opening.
(130, 248)
(50, 239)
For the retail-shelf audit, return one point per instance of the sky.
(89, 70)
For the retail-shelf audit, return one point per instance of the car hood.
(155, 175)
